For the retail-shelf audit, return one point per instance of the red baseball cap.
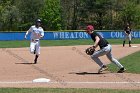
(90, 27)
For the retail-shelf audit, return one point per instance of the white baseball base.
(134, 46)
(41, 80)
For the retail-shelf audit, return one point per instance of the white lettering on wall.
(84, 35)
(70, 35)
(56, 34)
(117, 34)
(136, 34)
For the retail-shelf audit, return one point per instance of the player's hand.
(92, 47)
(127, 34)
(90, 50)
(25, 37)
(41, 36)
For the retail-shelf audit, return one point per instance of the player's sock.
(123, 43)
(36, 57)
(129, 43)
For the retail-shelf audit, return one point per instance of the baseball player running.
(37, 33)
(127, 34)
(105, 49)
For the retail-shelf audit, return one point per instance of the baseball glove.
(90, 51)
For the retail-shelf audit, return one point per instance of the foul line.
(31, 82)
(98, 82)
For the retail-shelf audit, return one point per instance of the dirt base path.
(65, 66)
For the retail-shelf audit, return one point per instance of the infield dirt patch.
(65, 66)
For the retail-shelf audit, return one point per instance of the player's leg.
(37, 48)
(115, 61)
(125, 37)
(32, 47)
(130, 37)
(96, 56)
(123, 43)
(35, 60)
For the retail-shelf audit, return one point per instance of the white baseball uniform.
(35, 39)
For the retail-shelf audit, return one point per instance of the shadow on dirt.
(85, 73)
(25, 63)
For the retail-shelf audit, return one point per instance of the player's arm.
(42, 34)
(124, 30)
(126, 33)
(97, 39)
(27, 33)
(131, 31)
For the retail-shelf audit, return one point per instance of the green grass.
(16, 44)
(131, 63)
(59, 90)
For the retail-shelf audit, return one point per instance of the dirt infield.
(65, 66)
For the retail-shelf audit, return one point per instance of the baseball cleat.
(121, 70)
(103, 68)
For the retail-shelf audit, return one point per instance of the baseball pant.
(129, 37)
(35, 47)
(105, 51)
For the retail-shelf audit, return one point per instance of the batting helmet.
(38, 20)
(90, 27)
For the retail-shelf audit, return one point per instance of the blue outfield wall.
(66, 35)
